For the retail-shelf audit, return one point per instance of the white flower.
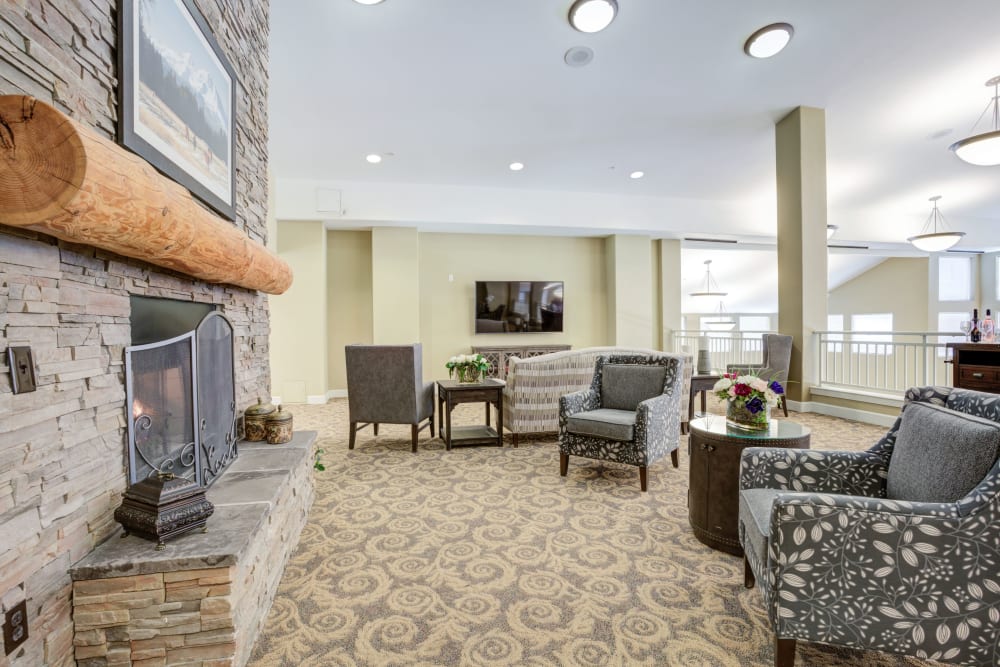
(723, 385)
(453, 360)
(758, 384)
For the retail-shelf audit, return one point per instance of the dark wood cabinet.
(714, 452)
(976, 366)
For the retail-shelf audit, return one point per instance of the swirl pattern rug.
(486, 556)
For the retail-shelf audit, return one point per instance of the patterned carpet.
(486, 556)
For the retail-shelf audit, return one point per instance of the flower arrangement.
(468, 366)
(749, 398)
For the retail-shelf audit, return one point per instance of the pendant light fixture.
(720, 321)
(935, 241)
(709, 283)
(983, 149)
(592, 15)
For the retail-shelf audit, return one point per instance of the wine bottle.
(975, 335)
(988, 328)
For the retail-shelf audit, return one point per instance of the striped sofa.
(531, 397)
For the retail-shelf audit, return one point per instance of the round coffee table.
(714, 450)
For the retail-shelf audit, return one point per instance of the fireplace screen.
(182, 402)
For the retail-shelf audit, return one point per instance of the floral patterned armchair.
(631, 413)
(843, 559)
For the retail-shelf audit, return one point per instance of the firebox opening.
(155, 319)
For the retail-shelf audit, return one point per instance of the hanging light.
(830, 231)
(983, 149)
(709, 283)
(935, 241)
(720, 321)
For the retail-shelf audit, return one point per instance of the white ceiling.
(457, 89)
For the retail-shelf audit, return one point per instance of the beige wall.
(895, 286)
(628, 263)
(450, 264)
(349, 297)
(395, 285)
(298, 317)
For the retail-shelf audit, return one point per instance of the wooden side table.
(714, 451)
(451, 393)
(699, 384)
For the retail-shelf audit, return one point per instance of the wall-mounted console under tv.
(519, 306)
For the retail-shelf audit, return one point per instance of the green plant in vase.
(468, 367)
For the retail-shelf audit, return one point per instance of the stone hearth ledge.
(206, 595)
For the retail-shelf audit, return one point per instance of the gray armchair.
(385, 386)
(777, 357)
(895, 549)
(631, 413)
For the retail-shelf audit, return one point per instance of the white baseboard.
(864, 416)
(316, 399)
(336, 393)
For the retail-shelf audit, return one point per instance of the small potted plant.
(749, 399)
(468, 367)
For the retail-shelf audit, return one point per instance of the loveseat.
(531, 397)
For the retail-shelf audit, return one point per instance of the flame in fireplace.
(137, 409)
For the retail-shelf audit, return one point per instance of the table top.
(778, 429)
(455, 385)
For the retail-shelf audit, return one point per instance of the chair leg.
(749, 580)
(674, 458)
(432, 425)
(375, 428)
(642, 477)
(414, 429)
(784, 652)
(563, 463)
(515, 439)
(354, 432)
(784, 405)
(684, 428)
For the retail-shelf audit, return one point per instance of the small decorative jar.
(255, 420)
(738, 416)
(279, 427)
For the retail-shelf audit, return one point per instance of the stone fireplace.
(63, 448)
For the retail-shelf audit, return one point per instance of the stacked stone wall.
(62, 447)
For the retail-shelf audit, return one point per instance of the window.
(868, 324)
(950, 322)
(755, 323)
(834, 323)
(996, 263)
(954, 278)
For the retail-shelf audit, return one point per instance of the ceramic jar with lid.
(279, 427)
(255, 420)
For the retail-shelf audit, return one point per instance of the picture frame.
(177, 98)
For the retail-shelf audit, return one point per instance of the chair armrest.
(578, 401)
(911, 578)
(658, 424)
(850, 473)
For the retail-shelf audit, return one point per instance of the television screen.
(519, 306)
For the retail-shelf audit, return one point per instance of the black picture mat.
(127, 135)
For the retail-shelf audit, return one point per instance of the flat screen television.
(519, 306)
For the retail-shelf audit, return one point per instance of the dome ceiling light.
(769, 40)
(592, 15)
(367, 2)
(935, 241)
(709, 283)
(983, 150)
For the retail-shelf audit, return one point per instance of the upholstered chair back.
(383, 383)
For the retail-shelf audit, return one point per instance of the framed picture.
(177, 98)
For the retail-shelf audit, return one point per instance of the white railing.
(724, 347)
(884, 362)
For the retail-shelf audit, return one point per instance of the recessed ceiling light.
(374, 158)
(516, 166)
(578, 56)
(592, 15)
(769, 40)
(635, 175)
(367, 2)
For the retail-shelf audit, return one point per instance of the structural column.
(630, 291)
(395, 286)
(298, 317)
(800, 142)
(670, 291)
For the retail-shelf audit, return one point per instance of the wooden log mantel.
(61, 178)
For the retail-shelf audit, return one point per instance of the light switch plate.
(22, 369)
